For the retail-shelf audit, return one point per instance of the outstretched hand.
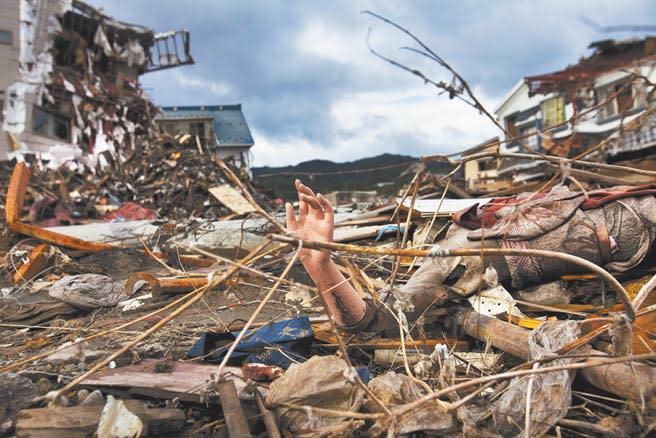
(315, 221)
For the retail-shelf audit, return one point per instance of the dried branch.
(458, 88)
(442, 252)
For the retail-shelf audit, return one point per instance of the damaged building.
(70, 88)
(600, 100)
(221, 129)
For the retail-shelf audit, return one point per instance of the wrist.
(317, 265)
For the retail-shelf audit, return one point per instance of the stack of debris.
(77, 99)
(525, 332)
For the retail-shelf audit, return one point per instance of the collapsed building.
(221, 129)
(71, 88)
(598, 108)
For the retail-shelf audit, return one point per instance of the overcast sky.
(309, 87)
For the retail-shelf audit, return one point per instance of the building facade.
(601, 107)
(221, 129)
(70, 80)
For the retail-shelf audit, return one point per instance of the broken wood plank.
(323, 333)
(36, 263)
(267, 416)
(82, 421)
(232, 411)
(160, 379)
(231, 198)
(16, 192)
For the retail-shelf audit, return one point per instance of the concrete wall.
(9, 54)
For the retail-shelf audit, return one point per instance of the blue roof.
(229, 123)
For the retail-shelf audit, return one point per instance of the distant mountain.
(381, 173)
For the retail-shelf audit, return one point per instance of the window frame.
(10, 40)
(557, 113)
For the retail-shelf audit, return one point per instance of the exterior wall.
(181, 126)
(9, 54)
(9, 21)
(480, 180)
(239, 154)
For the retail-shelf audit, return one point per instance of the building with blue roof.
(221, 129)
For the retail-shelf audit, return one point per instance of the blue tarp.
(279, 343)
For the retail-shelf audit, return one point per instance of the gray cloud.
(291, 63)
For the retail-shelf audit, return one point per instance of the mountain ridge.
(383, 173)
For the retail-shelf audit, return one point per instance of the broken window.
(50, 124)
(197, 129)
(553, 112)
(617, 99)
(167, 128)
(510, 126)
(529, 137)
(5, 37)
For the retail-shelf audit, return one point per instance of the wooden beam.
(232, 411)
(82, 421)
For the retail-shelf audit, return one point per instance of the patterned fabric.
(615, 227)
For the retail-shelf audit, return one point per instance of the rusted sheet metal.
(35, 264)
(20, 177)
(175, 285)
(59, 239)
(631, 380)
(635, 381)
(166, 285)
(187, 260)
(16, 192)
(162, 379)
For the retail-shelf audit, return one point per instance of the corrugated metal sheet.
(229, 123)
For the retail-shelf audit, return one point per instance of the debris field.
(152, 288)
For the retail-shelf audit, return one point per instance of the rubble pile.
(149, 289)
(154, 341)
(173, 183)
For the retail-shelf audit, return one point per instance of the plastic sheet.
(398, 389)
(550, 394)
(325, 382)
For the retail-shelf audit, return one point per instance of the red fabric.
(598, 198)
(130, 211)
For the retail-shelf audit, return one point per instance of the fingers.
(292, 225)
(302, 188)
(315, 207)
(327, 207)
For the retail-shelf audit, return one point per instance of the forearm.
(343, 301)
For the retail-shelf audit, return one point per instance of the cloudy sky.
(310, 88)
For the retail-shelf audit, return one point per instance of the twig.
(551, 158)
(199, 293)
(644, 291)
(458, 87)
(508, 375)
(442, 252)
(255, 313)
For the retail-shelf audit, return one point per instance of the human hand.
(316, 221)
